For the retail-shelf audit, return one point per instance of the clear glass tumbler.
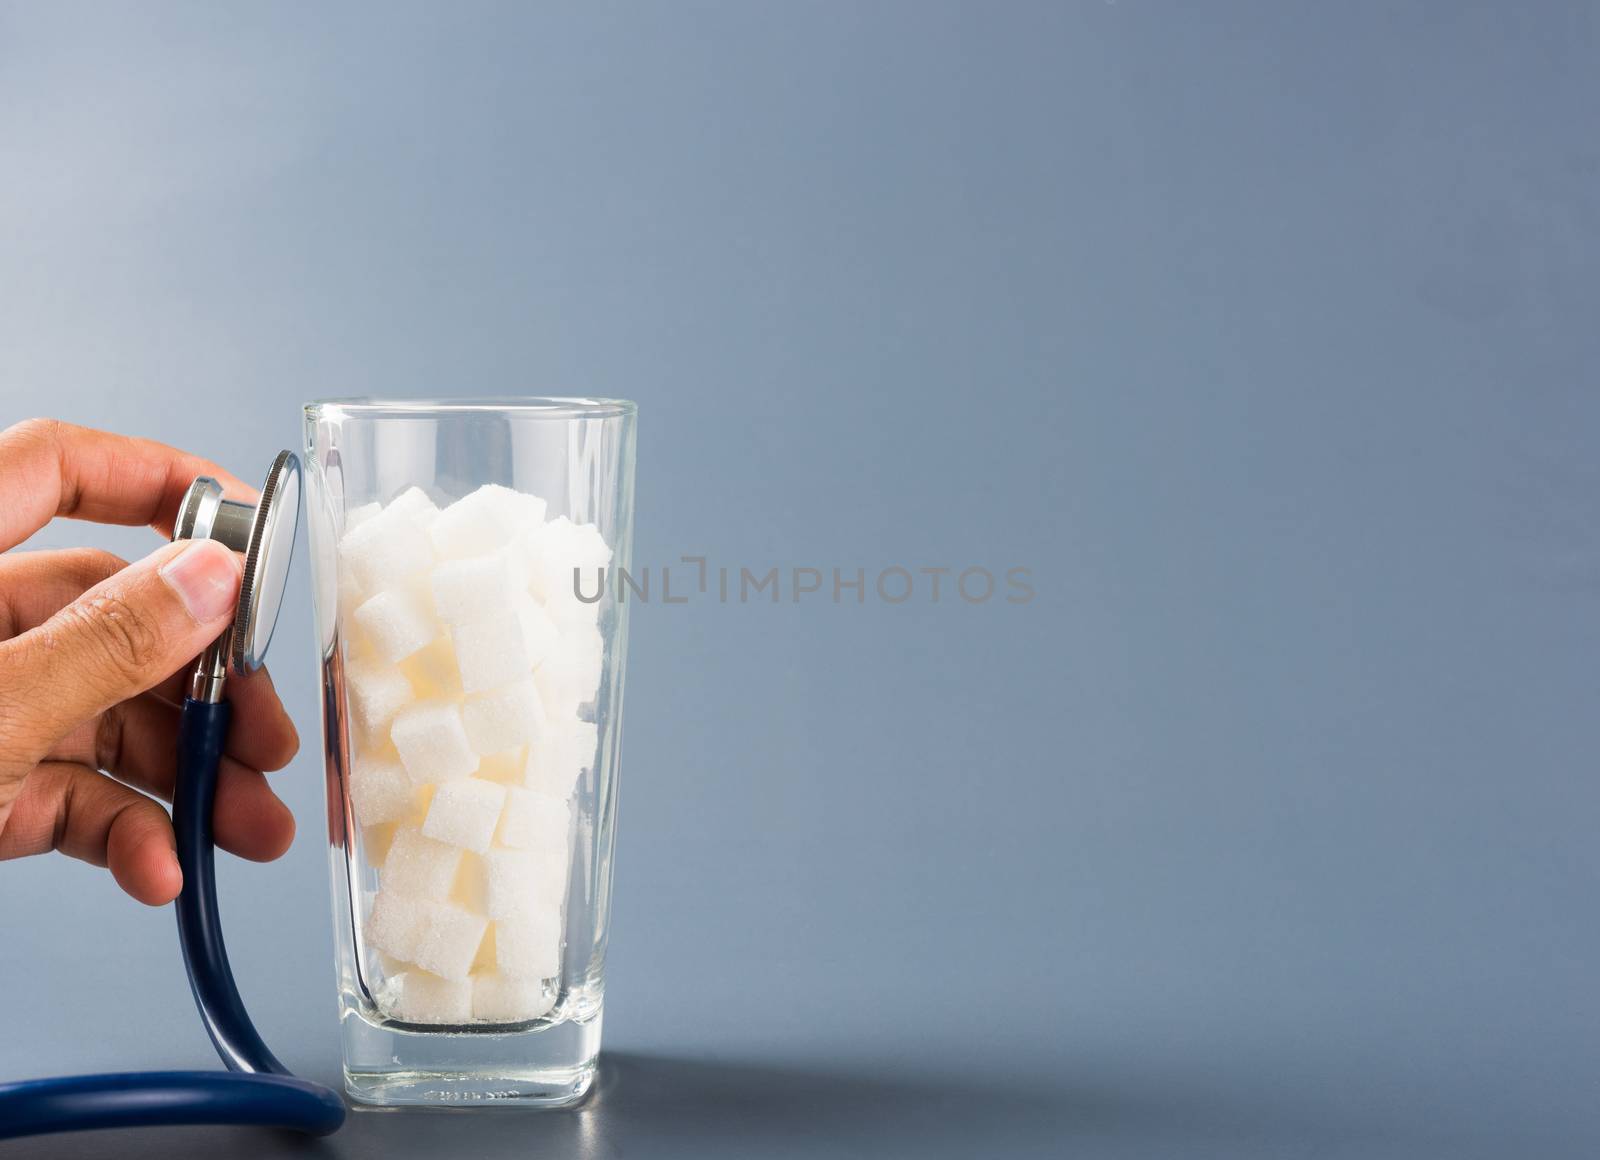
(472, 652)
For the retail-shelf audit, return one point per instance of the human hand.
(94, 654)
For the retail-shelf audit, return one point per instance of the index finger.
(49, 469)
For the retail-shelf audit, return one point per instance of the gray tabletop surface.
(1261, 335)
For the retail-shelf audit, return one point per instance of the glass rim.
(529, 406)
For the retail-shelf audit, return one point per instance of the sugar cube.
(425, 998)
(390, 967)
(350, 595)
(566, 562)
(585, 739)
(555, 763)
(504, 718)
(357, 516)
(490, 651)
(518, 882)
(539, 632)
(584, 648)
(396, 622)
(388, 547)
(375, 842)
(533, 820)
(376, 693)
(529, 946)
(449, 941)
(415, 505)
(380, 791)
(466, 588)
(471, 889)
(395, 923)
(431, 671)
(464, 813)
(498, 998)
(570, 674)
(432, 742)
(525, 510)
(590, 547)
(572, 595)
(481, 521)
(485, 959)
(419, 866)
(548, 548)
(506, 768)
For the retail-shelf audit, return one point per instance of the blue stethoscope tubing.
(256, 1089)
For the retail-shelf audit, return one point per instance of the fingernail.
(206, 579)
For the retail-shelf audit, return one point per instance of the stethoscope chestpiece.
(264, 533)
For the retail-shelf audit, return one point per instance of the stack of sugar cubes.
(471, 668)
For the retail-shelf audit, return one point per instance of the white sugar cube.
(498, 998)
(556, 762)
(590, 556)
(506, 768)
(432, 742)
(464, 589)
(518, 561)
(464, 813)
(573, 595)
(542, 567)
(387, 548)
(588, 547)
(414, 504)
(556, 579)
(395, 923)
(432, 671)
(570, 674)
(574, 611)
(549, 549)
(376, 693)
(539, 632)
(584, 649)
(481, 521)
(375, 842)
(449, 941)
(380, 791)
(471, 889)
(424, 998)
(390, 967)
(490, 651)
(533, 821)
(524, 510)
(357, 516)
(396, 622)
(419, 866)
(504, 718)
(350, 597)
(529, 946)
(566, 562)
(519, 882)
(583, 739)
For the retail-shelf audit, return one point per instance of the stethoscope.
(255, 1088)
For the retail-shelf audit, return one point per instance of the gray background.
(1263, 334)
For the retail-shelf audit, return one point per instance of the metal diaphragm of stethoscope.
(255, 1088)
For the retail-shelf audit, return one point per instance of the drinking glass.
(472, 656)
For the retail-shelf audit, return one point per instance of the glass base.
(549, 1066)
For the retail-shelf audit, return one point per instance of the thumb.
(121, 637)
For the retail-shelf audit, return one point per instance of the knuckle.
(128, 640)
(36, 428)
(43, 434)
(14, 717)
